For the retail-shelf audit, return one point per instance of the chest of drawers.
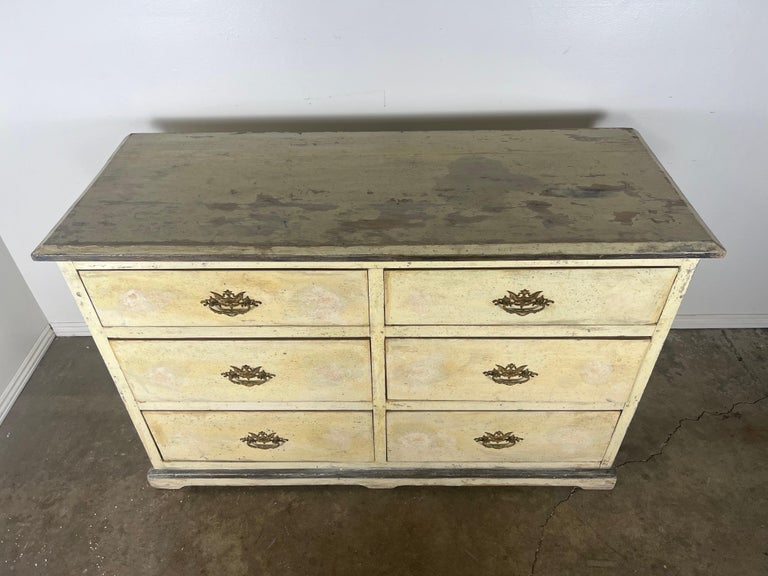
(381, 308)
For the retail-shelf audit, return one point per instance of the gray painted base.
(594, 479)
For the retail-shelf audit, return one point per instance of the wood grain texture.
(545, 436)
(598, 296)
(385, 195)
(191, 370)
(216, 436)
(173, 298)
(567, 371)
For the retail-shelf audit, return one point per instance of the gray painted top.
(593, 193)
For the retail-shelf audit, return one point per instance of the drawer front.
(513, 370)
(213, 297)
(599, 296)
(246, 370)
(523, 436)
(263, 436)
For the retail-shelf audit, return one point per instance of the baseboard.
(685, 321)
(19, 380)
(63, 329)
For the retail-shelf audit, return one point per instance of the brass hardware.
(229, 303)
(247, 376)
(510, 374)
(264, 440)
(523, 303)
(498, 439)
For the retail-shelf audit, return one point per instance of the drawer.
(263, 436)
(228, 297)
(599, 296)
(246, 370)
(513, 370)
(498, 436)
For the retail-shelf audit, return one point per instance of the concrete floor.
(691, 498)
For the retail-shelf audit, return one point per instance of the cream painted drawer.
(599, 296)
(532, 436)
(246, 370)
(244, 436)
(513, 370)
(175, 297)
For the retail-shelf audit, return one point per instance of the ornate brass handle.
(510, 374)
(264, 440)
(523, 303)
(498, 440)
(247, 376)
(229, 303)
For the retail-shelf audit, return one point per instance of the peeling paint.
(590, 191)
(391, 192)
(547, 217)
(625, 218)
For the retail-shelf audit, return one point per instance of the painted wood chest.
(381, 308)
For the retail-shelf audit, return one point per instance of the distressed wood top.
(592, 193)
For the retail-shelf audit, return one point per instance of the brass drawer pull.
(523, 303)
(264, 440)
(498, 440)
(510, 374)
(247, 376)
(229, 303)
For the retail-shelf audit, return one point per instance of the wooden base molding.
(591, 479)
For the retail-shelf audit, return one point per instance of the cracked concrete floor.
(691, 497)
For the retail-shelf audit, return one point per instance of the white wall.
(24, 331)
(78, 76)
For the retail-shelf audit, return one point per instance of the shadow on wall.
(490, 121)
